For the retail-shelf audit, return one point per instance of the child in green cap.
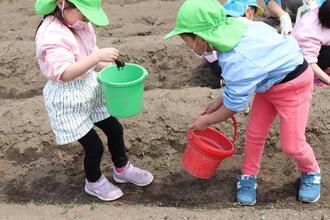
(67, 54)
(252, 61)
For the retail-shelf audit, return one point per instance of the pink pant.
(291, 101)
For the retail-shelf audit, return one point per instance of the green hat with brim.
(91, 9)
(208, 20)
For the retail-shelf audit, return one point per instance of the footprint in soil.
(29, 155)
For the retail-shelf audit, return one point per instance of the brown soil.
(34, 169)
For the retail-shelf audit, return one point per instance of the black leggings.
(93, 147)
(324, 57)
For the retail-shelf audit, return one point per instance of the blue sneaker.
(246, 190)
(310, 187)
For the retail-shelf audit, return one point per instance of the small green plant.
(151, 150)
(93, 206)
(139, 191)
(66, 207)
(161, 165)
(184, 125)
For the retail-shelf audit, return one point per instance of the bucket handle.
(234, 123)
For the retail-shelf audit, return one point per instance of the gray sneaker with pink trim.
(133, 175)
(103, 189)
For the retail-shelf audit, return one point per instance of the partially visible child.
(252, 60)
(243, 8)
(312, 32)
(278, 8)
(234, 8)
(67, 54)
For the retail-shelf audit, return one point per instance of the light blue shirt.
(261, 59)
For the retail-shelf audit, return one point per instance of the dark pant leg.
(216, 69)
(114, 131)
(324, 57)
(93, 154)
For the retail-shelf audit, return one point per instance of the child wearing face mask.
(251, 57)
(67, 54)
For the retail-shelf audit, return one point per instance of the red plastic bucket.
(205, 150)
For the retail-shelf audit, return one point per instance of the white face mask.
(205, 53)
(77, 25)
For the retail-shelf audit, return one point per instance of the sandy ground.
(43, 181)
(124, 212)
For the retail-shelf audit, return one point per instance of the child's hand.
(107, 54)
(213, 106)
(200, 123)
(102, 65)
(286, 24)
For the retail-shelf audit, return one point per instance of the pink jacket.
(57, 47)
(311, 35)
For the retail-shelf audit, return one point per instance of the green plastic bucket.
(123, 89)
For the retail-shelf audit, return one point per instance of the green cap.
(91, 9)
(208, 20)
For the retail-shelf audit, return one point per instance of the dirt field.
(37, 176)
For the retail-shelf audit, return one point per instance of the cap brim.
(260, 10)
(97, 17)
(44, 7)
(234, 13)
(173, 33)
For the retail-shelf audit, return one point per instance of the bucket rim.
(125, 84)
(211, 150)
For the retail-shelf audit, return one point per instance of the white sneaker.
(103, 189)
(133, 175)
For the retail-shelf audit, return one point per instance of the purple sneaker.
(133, 175)
(103, 189)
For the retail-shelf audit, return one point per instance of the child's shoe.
(103, 189)
(247, 190)
(133, 175)
(310, 187)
